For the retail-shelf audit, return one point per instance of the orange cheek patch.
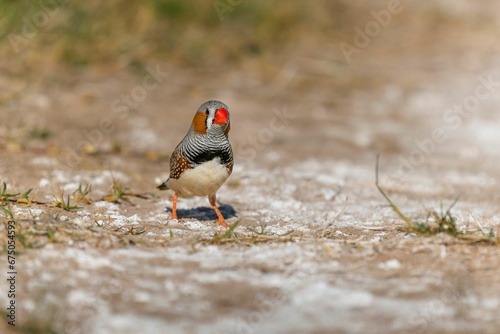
(199, 125)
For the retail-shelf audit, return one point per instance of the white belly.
(203, 180)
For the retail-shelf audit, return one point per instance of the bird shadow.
(205, 213)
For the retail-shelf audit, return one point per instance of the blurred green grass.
(130, 33)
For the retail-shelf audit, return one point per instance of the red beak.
(221, 116)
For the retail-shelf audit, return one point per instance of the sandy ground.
(316, 249)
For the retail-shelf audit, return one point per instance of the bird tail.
(163, 186)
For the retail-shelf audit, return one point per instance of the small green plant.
(443, 222)
(51, 233)
(227, 236)
(230, 231)
(8, 211)
(121, 193)
(4, 195)
(23, 240)
(82, 194)
(60, 202)
(137, 231)
(489, 234)
(38, 133)
(25, 197)
(118, 192)
(27, 193)
(262, 231)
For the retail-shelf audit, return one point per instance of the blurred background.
(67, 65)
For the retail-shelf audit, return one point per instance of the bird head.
(212, 118)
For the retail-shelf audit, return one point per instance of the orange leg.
(212, 199)
(174, 206)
